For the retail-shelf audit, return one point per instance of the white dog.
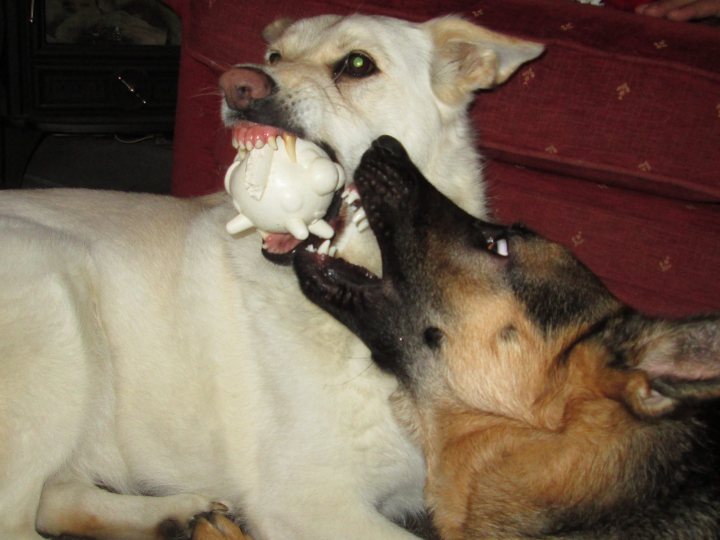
(153, 366)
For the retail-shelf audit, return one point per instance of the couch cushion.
(618, 98)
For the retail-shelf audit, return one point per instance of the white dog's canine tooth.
(333, 251)
(324, 248)
(322, 229)
(290, 141)
(273, 143)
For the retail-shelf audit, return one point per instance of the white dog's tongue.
(281, 185)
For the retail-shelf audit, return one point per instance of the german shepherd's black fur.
(546, 408)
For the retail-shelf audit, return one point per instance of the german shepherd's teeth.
(351, 197)
(324, 248)
(501, 247)
(359, 215)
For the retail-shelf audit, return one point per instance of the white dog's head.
(341, 82)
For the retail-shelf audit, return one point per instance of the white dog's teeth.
(272, 141)
(235, 143)
(324, 248)
(259, 144)
(290, 141)
(363, 225)
(249, 146)
(310, 248)
(242, 154)
(333, 251)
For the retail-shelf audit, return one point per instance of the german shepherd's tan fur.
(545, 407)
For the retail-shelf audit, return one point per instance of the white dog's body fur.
(144, 349)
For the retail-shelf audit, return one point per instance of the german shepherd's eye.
(356, 65)
(273, 57)
(433, 336)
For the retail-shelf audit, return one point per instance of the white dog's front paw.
(183, 524)
(217, 526)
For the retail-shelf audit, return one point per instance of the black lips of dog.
(400, 204)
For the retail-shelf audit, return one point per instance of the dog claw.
(219, 507)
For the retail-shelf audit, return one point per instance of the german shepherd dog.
(545, 407)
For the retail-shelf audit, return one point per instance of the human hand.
(680, 10)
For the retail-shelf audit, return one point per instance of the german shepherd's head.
(544, 405)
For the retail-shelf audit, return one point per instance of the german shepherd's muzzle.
(545, 407)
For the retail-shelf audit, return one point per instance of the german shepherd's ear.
(468, 57)
(672, 363)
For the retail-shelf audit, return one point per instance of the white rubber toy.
(283, 190)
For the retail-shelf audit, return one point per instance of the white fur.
(144, 349)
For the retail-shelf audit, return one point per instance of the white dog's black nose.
(243, 85)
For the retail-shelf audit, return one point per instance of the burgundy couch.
(609, 144)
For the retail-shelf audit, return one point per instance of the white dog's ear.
(275, 29)
(468, 57)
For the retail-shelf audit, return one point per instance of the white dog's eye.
(273, 57)
(356, 65)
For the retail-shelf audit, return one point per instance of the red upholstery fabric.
(620, 98)
(610, 143)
